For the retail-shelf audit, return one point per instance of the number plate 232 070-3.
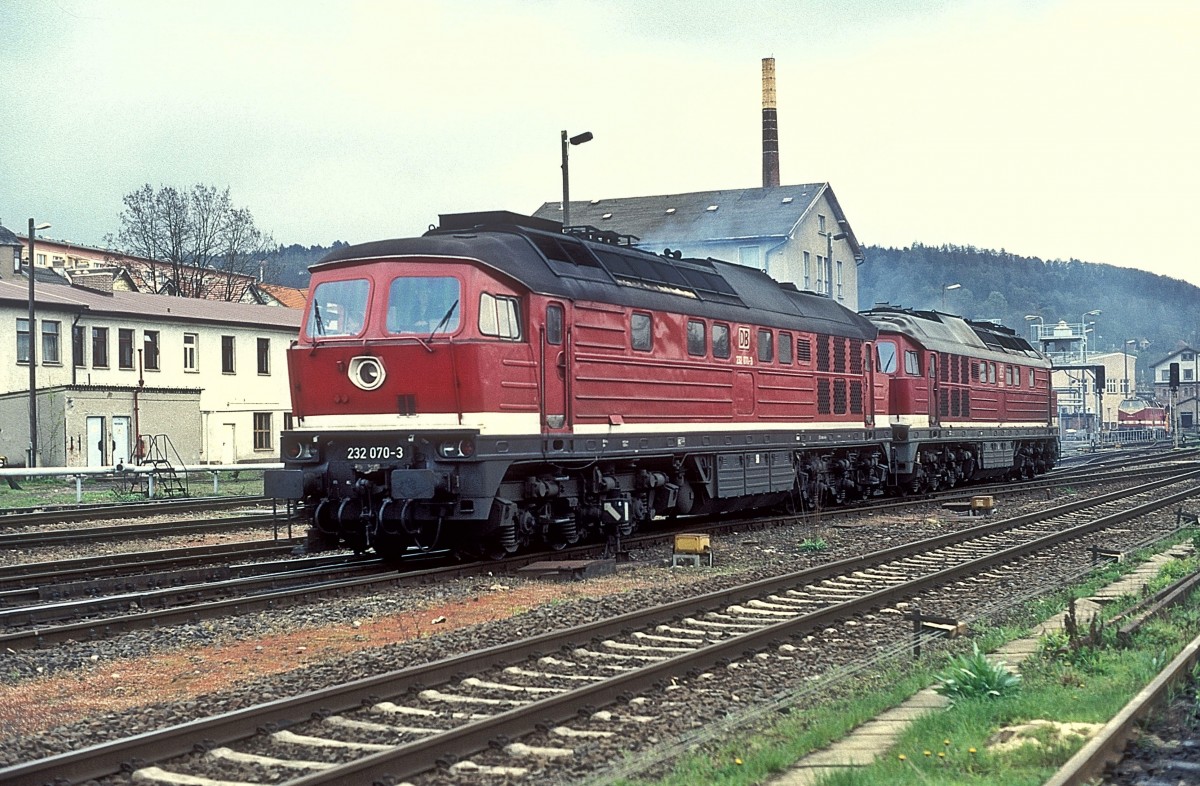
(374, 453)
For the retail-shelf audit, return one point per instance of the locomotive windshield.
(339, 308)
(423, 304)
(885, 351)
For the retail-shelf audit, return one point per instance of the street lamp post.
(578, 139)
(1125, 351)
(829, 238)
(1095, 312)
(33, 435)
(1040, 323)
(946, 288)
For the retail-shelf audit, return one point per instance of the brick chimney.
(770, 125)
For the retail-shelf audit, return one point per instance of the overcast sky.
(1052, 128)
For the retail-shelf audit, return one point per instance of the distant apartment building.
(797, 234)
(116, 369)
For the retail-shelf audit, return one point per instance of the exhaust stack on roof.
(770, 123)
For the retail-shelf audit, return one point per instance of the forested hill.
(993, 285)
(1002, 286)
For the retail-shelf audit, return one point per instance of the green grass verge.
(1081, 683)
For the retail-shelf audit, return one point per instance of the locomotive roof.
(594, 265)
(950, 334)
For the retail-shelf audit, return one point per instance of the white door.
(228, 445)
(95, 441)
(120, 438)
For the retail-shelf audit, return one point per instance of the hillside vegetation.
(994, 285)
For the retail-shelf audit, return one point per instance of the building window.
(50, 343)
(720, 340)
(125, 348)
(227, 347)
(262, 430)
(264, 356)
(99, 347)
(191, 344)
(841, 289)
(151, 356)
(820, 223)
(1187, 374)
(697, 339)
(22, 340)
(751, 256)
(820, 274)
(640, 332)
(79, 346)
(807, 270)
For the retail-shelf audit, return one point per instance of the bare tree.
(195, 243)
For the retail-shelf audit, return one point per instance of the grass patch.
(60, 490)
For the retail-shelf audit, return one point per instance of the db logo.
(744, 339)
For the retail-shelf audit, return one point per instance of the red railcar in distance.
(497, 384)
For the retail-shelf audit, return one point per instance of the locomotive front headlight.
(448, 449)
(300, 450)
(366, 372)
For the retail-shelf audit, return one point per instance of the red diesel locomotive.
(497, 383)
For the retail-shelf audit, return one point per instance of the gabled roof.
(286, 296)
(1172, 355)
(161, 308)
(707, 216)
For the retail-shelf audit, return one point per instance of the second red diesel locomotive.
(498, 383)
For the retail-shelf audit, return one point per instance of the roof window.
(606, 216)
(787, 200)
(670, 210)
(712, 208)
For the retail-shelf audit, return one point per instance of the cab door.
(935, 388)
(555, 368)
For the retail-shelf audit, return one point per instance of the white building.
(121, 374)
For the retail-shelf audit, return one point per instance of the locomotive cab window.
(720, 340)
(885, 357)
(423, 304)
(766, 346)
(697, 338)
(912, 363)
(339, 308)
(640, 334)
(499, 316)
(785, 348)
(554, 324)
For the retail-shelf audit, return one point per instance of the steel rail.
(1109, 743)
(116, 510)
(410, 759)
(146, 530)
(27, 573)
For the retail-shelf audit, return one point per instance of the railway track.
(144, 531)
(514, 709)
(119, 510)
(182, 596)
